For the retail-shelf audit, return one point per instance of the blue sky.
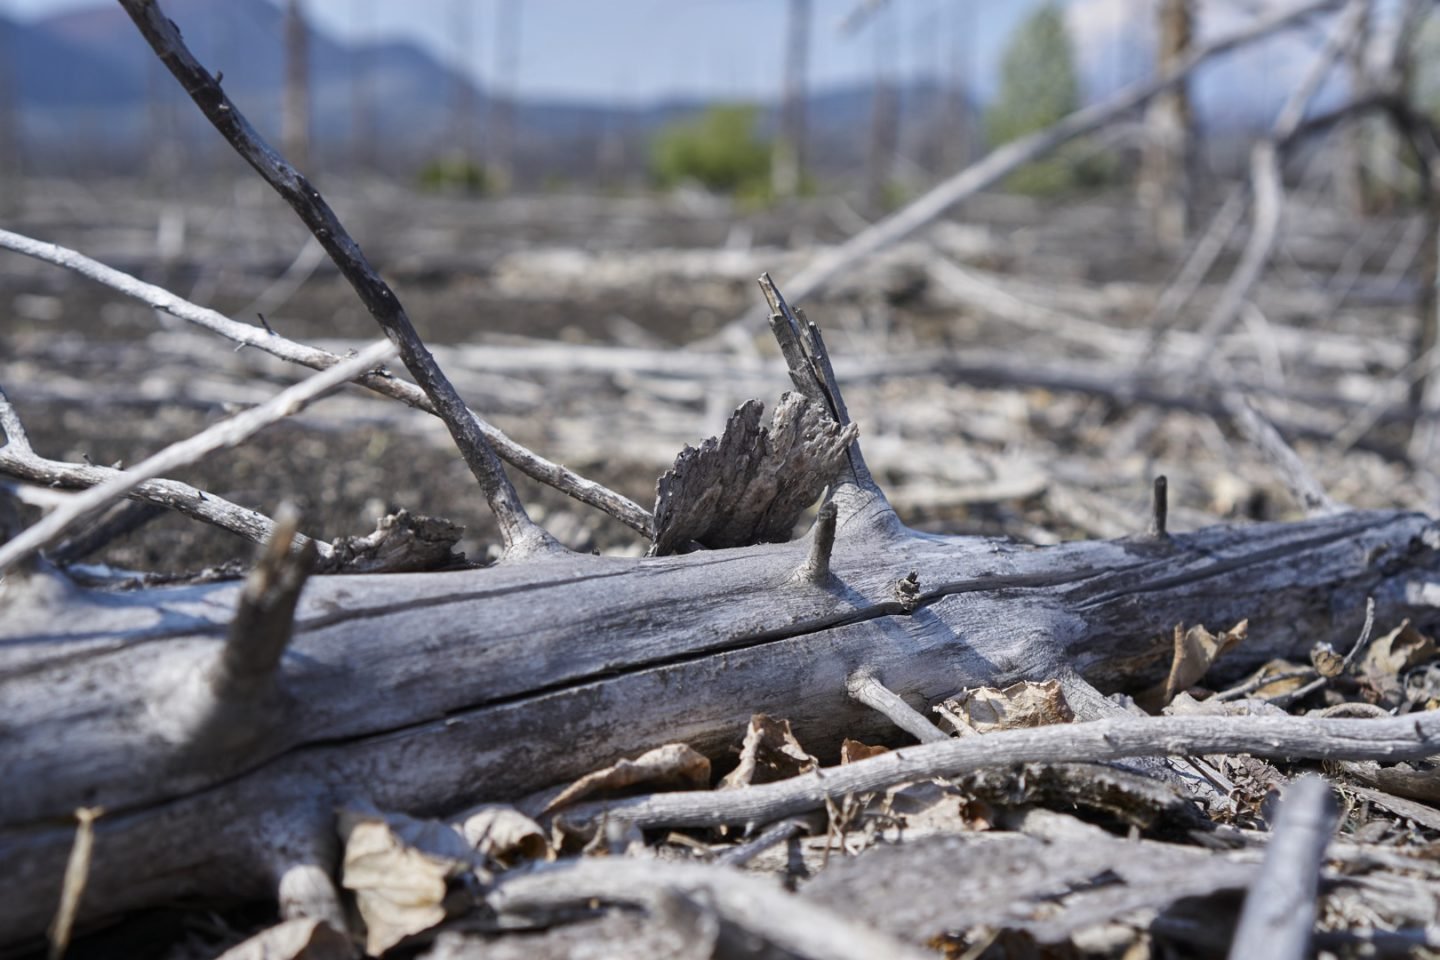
(641, 50)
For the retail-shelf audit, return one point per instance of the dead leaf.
(852, 750)
(1387, 657)
(306, 939)
(673, 765)
(505, 835)
(1023, 704)
(751, 484)
(400, 870)
(1326, 660)
(770, 752)
(1195, 651)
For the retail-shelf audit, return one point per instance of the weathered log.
(426, 693)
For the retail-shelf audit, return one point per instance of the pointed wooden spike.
(1159, 507)
(265, 616)
(816, 567)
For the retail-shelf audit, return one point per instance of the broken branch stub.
(751, 484)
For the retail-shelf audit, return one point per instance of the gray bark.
(427, 693)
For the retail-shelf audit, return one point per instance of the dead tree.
(788, 165)
(210, 732)
(1165, 172)
(295, 110)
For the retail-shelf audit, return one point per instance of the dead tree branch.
(759, 906)
(19, 460)
(552, 474)
(1279, 914)
(226, 433)
(1001, 162)
(1410, 737)
(520, 533)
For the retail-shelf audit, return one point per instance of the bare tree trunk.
(9, 129)
(463, 120)
(502, 101)
(1351, 186)
(959, 124)
(1423, 390)
(1165, 174)
(295, 111)
(788, 164)
(884, 114)
(362, 97)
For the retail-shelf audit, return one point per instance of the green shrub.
(720, 150)
(455, 175)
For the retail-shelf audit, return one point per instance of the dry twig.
(553, 474)
(519, 532)
(1279, 912)
(18, 459)
(1392, 739)
(225, 433)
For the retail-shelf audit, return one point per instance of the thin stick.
(552, 474)
(1397, 738)
(757, 906)
(77, 872)
(774, 834)
(225, 433)
(1279, 913)
(1262, 434)
(1300, 693)
(520, 533)
(18, 460)
(864, 688)
(1001, 162)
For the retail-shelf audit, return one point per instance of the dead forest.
(993, 577)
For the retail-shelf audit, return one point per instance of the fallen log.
(427, 693)
(210, 732)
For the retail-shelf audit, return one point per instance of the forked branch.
(531, 464)
(519, 532)
(225, 433)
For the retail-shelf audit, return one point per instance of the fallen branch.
(1279, 913)
(531, 464)
(1001, 162)
(1401, 738)
(520, 534)
(19, 460)
(226, 433)
(758, 906)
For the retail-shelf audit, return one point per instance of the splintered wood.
(752, 483)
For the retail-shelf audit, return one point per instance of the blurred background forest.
(566, 194)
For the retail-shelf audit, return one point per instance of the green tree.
(1038, 86)
(719, 150)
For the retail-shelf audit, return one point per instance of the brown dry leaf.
(306, 939)
(770, 752)
(505, 835)
(852, 750)
(1196, 650)
(1326, 660)
(1023, 704)
(1387, 657)
(673, 765)
(399, 868)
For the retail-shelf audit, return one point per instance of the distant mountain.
(92, 94)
